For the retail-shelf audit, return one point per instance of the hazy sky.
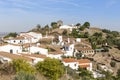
(23, 15)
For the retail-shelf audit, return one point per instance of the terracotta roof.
(19, 38)
(14, 56)
(27, 36)
(83, 49)
(83, 61)
(84, 66)
(67, 60)
(57, 49)
(35, 55)
(56, 52)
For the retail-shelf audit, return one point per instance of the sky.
(23, 15)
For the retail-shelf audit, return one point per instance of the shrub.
(24, 76)
(22, 65)
(113, 64)
(51, 68)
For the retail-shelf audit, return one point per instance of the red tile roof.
(83, 61)
(67, 60)
(84, 66)
(83, 49)
(35, 55)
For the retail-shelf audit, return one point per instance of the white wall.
(40, 50)
(7, 48)
(36, 35)
(73, 65)
(58, 56)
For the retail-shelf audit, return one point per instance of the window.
(75, 64)
(20, 41)
(14, 41)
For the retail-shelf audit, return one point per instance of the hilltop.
(79, 44)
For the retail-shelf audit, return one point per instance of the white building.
(70, 27)
(70, 62)
(69, 49)
(36, 35)
(75, 64)
(11, 49)
(39, 50)
(85, 63)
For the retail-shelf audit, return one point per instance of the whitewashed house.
(38, 36)
(69, 49)
(11, 48)
(85, 63)
(35, 49)
(70, 62)
(17, 40)
(70, 27)
(88, 51)
(56, 54)
(75, 64)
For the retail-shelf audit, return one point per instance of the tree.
(86, 24)
(59, 23)
(74, 33)
(22, 65)
(54, 25)
(38, 26)
(78, 24)
(51, 68)
(14, 34)
(84, 74)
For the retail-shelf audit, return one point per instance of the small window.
(14, 41)
(74, 64)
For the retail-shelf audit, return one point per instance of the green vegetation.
(22, 65)
(112, 38)
(51, 68)
(24, 76)
(84, 74)
(11, 35)
(54, 25)
(85, 25)
(113, 64)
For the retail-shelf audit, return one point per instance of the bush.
(51, 68)
(24, 76)
(113, 64)
(22, 65)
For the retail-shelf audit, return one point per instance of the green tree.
(74, 33)
(78, 25)
(86, 24)
(22, 65)
(38, 26)
(54, 25)
(14, 34)
(51, 68)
